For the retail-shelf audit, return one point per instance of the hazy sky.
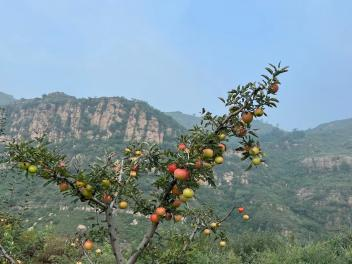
(181, 55)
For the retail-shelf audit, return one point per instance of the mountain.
(187, 121)
(303, 190)
(115, 118)
(6, 99)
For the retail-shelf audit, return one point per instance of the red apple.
(160, 211)
(182, 146)
(181, 174)
(64, 186)
(241, 210)
(222, 147)
(154, 218)
(172, 167)
(106, 198)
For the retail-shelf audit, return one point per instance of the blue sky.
(181, 55)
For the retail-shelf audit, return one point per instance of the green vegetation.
(36, 247)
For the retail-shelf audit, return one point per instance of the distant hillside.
(6, 99)
(61, 117)
(187, 121)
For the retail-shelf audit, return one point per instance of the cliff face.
(61, 117)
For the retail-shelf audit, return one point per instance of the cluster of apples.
(32, 169)
(247, 117)
(245, 217)
(162, 213)
(214, 225)
(256, 155)
(137, 154)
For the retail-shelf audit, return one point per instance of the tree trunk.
(114, 236)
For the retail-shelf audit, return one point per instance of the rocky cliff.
(61, 116)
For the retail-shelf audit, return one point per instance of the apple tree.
(111, 184)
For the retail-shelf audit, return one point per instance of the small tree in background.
(111, 184)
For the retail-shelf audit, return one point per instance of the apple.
(22, 166)
(222, 243)
(88, 244)
(176, 203)
(183, 198)
(80, 184)
(127, 151)
(214, 225)
(32, 169)
(222, 147)
(178, 218)
(188, 193)
(208, 153)
(154, 218)
(207, 232)
(259, 112)
(274, 88)
(247, 117)
(172, 167)
(123, 204)
(222, 136)
(138, 153)
(160, 211)
(133, 173)
(241, 210)
(256, 161)
(89, 188)
(207, 165)
(106, 198)
(254, 151)
(106, 183)
(198, 164)
(219, 160)
(240, 131)
(175, 190)
(86, 194)
(182, 146)
(64, 186)
(181, 174)
(245, 217)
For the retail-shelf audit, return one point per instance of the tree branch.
(114, 236)
(191, 237)
(152, 230)
(144, 243)
(228, 214)
(6, 256)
